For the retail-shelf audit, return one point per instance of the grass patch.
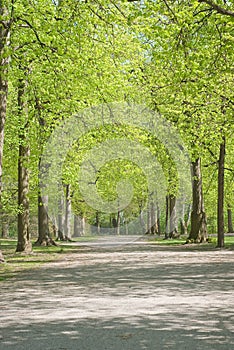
(18, 262)
(228, 240)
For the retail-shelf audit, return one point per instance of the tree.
(5, 31)
(198, 231)
(24, 243)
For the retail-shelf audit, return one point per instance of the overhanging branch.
(218, 8)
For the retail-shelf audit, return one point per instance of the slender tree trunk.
(158, 221)
(118, 223)
(5, 27)
(198, 231)
(68, 211)
(5, 226)
(172, 220)
(149, 224)
(153, 219)
(61, 219)
(83, 226)
(230, 225)
(97, 223)
(167, 223)
(220, 213)
(142, 221)
(184, 222)
(24, 243)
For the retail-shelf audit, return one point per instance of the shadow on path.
(138, 298)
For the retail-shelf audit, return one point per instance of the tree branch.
(218, 8)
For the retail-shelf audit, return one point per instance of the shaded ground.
(132, 296)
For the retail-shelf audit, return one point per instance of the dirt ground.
(122, 295)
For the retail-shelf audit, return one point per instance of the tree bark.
(24, 243)
(83, 226)
(44, 238)
(77, 226)
(220, 216)
(230, 224)
(198, 232)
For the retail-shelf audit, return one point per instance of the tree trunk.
(5, 226)
(184, 221)
(77, 226)
(44, 238)
(24, 243)
(153, 219)
(198, 231)
(220, 217)
(83, 226)
(172, 220)
(142, 221)
(5, 27)
(167, 223)
(97, 223)
(158, 221)
(230, 225)
(149, 224)
(68, 211)
(118, 223)
(61, 219)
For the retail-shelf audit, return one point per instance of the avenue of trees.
(61, 57)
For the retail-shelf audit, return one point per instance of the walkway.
(120, 297)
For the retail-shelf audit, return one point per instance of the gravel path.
(117, 297)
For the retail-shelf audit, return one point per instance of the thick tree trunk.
(220, 217)
(77, 226)
(198, 231)
(230, 224)
(44, 238)
(83, 226)
(5, 26)
(24, 243)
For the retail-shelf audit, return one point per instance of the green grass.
(229, 241)
(18, 262)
